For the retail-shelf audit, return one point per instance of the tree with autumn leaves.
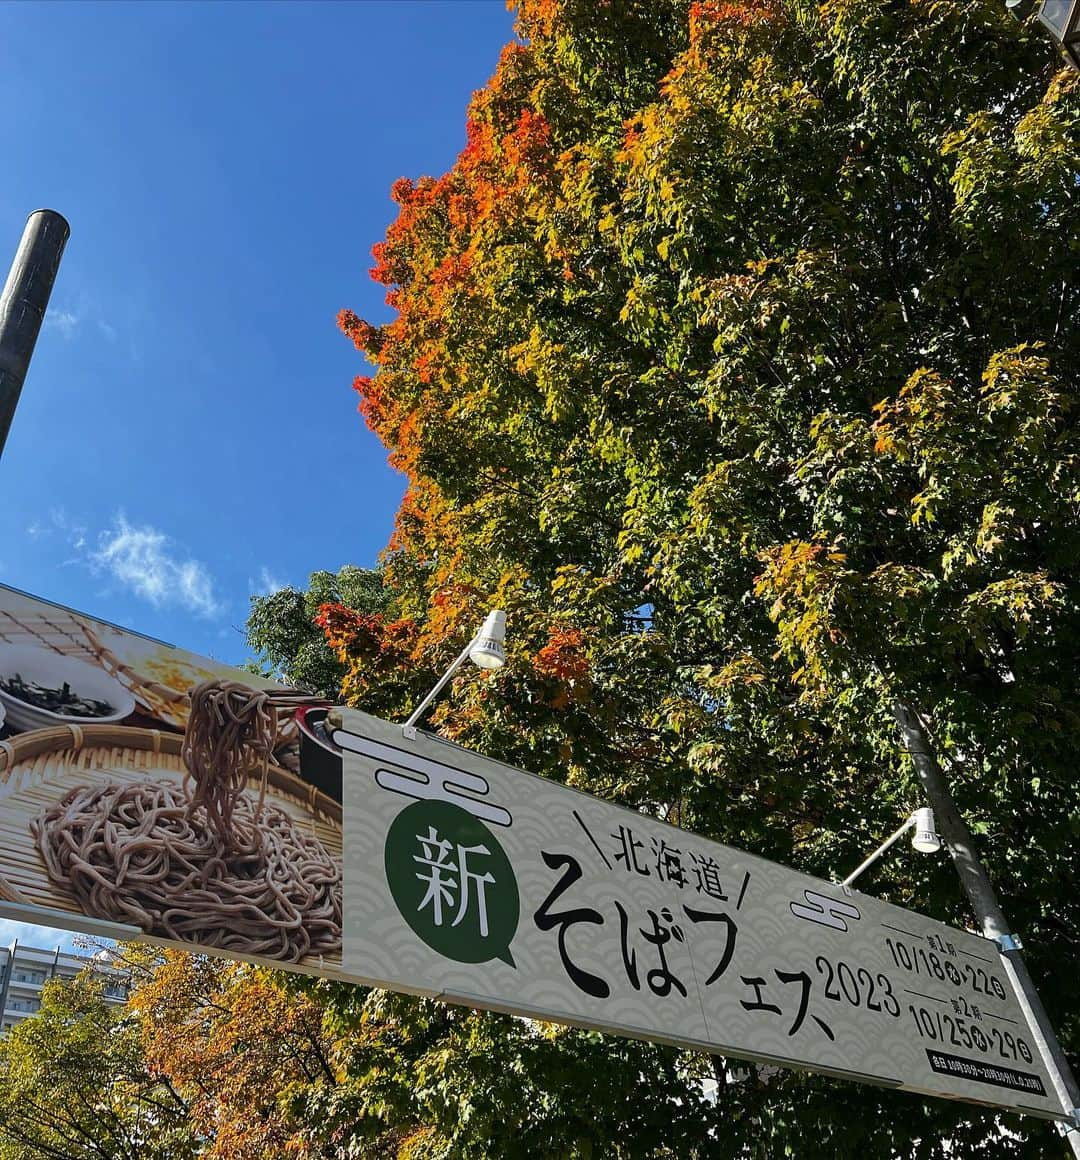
(75, 1084)
(736, 358)
(228, 1061)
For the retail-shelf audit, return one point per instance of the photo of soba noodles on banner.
(145, 786)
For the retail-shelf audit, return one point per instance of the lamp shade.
(925, 839)
(488, 649)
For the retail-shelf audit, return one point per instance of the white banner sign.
(361, 854)
(476, 882)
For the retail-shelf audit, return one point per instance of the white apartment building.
(24, 970)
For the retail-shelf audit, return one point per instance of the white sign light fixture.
(488, 647)
(486, 650)
(925, 840)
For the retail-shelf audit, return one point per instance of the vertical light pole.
(995, 926)
(23, 302)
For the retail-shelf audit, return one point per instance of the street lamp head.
(925, 839)
(488, 649)
(1062, 19)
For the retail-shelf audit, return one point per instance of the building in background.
(25, 970)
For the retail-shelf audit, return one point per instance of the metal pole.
(23, 302)
(409, 728)
(889, 841)
(995, 926)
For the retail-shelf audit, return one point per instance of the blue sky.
(187, 434)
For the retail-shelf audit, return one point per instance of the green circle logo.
(452, 882)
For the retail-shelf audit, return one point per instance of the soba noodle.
(204, 861)
(232, 729)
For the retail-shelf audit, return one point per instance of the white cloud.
(142, 559)
(266, 584)
(58, 521)
(65, 321)
(72, 322)
(28, 934)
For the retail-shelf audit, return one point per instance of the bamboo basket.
(38, 768)
(71, 636)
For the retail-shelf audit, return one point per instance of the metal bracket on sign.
(1008, 942)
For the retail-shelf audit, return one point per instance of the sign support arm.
(889, 841)
(409, 728)
(983, 899)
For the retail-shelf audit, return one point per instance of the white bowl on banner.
(52, 670)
